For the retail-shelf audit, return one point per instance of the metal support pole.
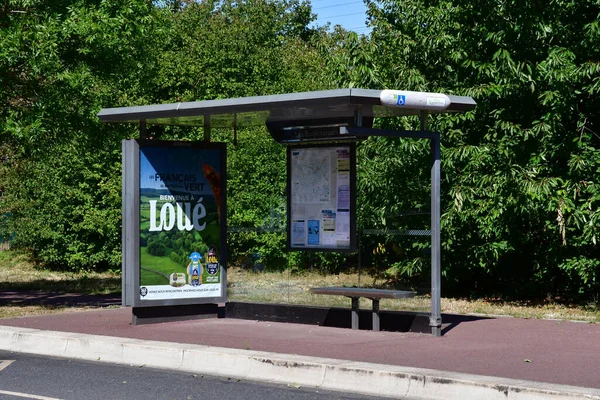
(207, 128)
(376, 315)
(125, 170)
(359, 255)
(423, 118)
(143, 131)
(435, 320)
(235, 138)
(355, 309)
(358, 117)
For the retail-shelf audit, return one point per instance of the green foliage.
(348, 58)
(233, 49)
(157, 249)
(519, 187)
(60, 62)
(520, 196)
(60, 168)
(256, 197)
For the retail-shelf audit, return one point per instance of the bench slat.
(363, 292)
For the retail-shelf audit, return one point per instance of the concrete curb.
(331, 374)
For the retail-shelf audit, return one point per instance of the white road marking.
(5, 363)
(28, 396)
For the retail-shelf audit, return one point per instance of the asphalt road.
(46, 378)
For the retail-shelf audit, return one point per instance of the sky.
(348, 13)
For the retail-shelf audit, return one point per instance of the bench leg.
(355, 312)
(375, 314)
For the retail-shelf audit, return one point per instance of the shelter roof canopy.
(340, 104)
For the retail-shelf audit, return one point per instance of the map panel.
(311, 176)
(320, 197)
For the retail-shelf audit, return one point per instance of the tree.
(232, 49)
(238, 49)
(519, 187)
(60, 62)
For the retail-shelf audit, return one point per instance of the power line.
(359, 28)
(337, 5)
(339, 16)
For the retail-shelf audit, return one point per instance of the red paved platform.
(557, 352)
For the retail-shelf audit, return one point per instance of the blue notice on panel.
(313, 232)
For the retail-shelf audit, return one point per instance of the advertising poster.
(180, 221)
(321, 198)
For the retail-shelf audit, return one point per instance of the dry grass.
(17, 273)
(288, 288)
(23, 311)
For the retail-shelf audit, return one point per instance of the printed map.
(311, 174)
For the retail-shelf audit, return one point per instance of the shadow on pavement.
(18, 298)
(451, 321)
(392, 321)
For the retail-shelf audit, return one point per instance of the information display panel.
(181, 222)
(322, 197)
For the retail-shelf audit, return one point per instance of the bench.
(355, 293)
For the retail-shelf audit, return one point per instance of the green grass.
(161, 264)
(150, 278)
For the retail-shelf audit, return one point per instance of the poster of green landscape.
(180, 228)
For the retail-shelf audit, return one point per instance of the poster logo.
(401, 100)
(186, 217)
(212, 261)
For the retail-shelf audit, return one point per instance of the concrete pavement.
(487, 358)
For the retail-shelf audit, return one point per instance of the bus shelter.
(337, 117)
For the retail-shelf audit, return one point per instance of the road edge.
(297, 371)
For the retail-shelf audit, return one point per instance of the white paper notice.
(298, 232)
(342, 226)
(343, 191)
(328, 227)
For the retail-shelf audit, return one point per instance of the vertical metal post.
(207, 128)
(423, 118)
(358, 123)
(359, 255)
(358, 116)
(143, 131)
(125, 170)
(130, 223)
(376, 315)
(435, 320)
(235, 138)
(355, 309)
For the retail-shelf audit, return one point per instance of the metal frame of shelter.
(347, 112)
